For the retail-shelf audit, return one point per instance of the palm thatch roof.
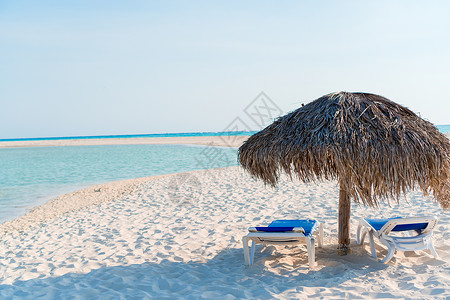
(374, 147)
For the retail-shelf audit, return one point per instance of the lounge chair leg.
(391, 252)
(360, 234)
(310, 245)
(252, 253)
(363, 236)
(372, 244)
(320, 235)
(246, 251)
(432, 250)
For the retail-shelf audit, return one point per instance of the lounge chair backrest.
(380, 228)
(425, 224)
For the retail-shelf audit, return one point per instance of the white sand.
(141, 238)
(225, 141)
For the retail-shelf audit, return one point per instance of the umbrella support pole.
(344, 222)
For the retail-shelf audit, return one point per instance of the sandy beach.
(180, 236)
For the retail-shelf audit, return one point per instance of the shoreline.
(81, 199)
(31, 215)
(39, 213)
(222, 141)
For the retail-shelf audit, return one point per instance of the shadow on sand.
(222, 276)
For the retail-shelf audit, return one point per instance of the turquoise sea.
(444, 128)
(32, 176)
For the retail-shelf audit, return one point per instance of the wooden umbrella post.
(344, 222)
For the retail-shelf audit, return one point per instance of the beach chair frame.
(294, 237)
(422, 241)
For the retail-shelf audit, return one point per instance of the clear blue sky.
(127, 67)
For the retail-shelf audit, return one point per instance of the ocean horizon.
(124, 136)
(441, 128)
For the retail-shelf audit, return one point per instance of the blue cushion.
(288, 225)
(377, 224)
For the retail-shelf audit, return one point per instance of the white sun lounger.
(383, 229)
(284, 232)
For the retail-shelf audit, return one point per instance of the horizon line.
(167, 134)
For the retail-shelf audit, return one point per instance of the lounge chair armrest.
(277, 229)
(298, 229)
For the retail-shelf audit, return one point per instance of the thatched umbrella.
(375, 149)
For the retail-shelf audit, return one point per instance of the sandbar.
(223, 141)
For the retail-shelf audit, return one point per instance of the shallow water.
(32, 176)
